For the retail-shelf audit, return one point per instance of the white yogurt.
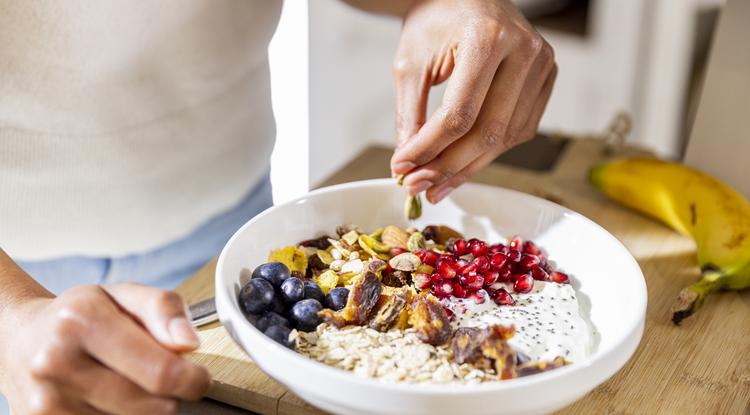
(548, 321)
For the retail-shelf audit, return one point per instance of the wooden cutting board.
(700, 367)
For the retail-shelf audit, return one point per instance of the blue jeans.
(164, 267)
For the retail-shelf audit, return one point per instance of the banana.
(716, 216)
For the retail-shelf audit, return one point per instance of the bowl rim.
(223, 298)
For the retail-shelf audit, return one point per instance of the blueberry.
(278, 307)
(336, 298)
(256, 296)
(280, 334)
(273, 272)
(304, 315)
(268, 319)
(292, 290)
(312, 290)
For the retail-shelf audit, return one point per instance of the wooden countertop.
(699, 367)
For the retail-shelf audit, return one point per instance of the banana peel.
(716, 216)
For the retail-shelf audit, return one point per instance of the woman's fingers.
(412, 90)
(439, 192)
(161, 312)
(466, 90)
(490, 132)
(112, 393)
(118, 342)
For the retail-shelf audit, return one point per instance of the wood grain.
(700, 367)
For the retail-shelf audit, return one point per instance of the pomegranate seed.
(479, 297)
(531, 248)
(461, 265)
(476, 283)
(504, 274)
(539, 274)
(459, 247)
(443, 289)
(447, 268)
(428, 257)
(559, 277)
(482, 263)
(516, 243)
(459, 291)
(497, 260)
(528, 261)
(503, 297)
(494, 287)
(498, 249)
(477, 247)
(422, 281)
(396, 251)
(523, 283)
(388, 269)
(490, 277)
(514, 255)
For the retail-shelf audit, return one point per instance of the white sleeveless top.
(126, 124)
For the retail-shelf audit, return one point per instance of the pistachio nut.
(376, 235)
(413, 207)
(407, 262)
(376, 266)
(394, 237)
(416, 241)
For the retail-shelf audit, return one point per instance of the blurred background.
(333, 94)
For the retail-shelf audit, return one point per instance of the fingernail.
(403, 167)
(419, 187)
(183, 333)
(441, 193)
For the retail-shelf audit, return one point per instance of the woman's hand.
(99, 349)
(500, 73)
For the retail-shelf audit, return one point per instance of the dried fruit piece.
(350, 237)
(394, 237)
(347, 278)
(416, 242)
(327, 281)
(320, 242)
(440, 234)
(407, 262)
(293, 257)
(496, 348)
(430, 320)
(466, 344)
(324, 256)
(539, 366)
(363, 297)
(396, 279)
(388, 311)
(376, 234)
(343, 251)
(344, 229)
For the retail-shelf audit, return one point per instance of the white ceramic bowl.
(609, 282)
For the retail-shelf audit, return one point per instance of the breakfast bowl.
(607, 280)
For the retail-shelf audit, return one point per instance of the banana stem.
(691, 298)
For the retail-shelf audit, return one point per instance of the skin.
(94, 349)
(500, 74)
(117, 349)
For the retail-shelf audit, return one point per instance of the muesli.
(417, 306)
